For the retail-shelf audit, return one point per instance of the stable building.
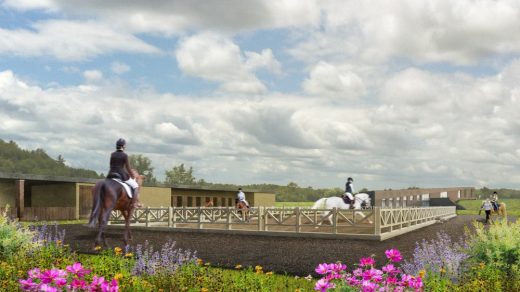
(43, 197)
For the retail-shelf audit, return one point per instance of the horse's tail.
(320, 204)
(96, 206)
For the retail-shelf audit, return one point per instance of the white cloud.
(328, 80)
(69, 40)
(93, 75)
(216, 58)
(119, 67)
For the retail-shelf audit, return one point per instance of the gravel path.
(295, 256)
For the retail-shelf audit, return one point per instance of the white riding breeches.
(350, 196)
(131, 182)
(245, 202)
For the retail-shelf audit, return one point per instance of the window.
(444, 194)
(179, 201)
(383, 203)
(404, 201)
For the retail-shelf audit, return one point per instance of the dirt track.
(295, 256)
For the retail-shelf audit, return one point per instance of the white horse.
(337, 202)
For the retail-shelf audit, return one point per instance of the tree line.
(13, 159)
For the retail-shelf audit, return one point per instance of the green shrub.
(14, 238)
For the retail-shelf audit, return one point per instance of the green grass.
(473, 206)
(293, 204)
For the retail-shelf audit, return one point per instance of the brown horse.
(110, 195)
(243, 208)
(501, 210)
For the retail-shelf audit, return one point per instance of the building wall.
(155, 197)
(420, 197)
(54, 195)
(7, 194)
(263, 199)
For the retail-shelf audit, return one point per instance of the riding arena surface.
(296, 256)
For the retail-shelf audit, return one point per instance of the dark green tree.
(143, 165)
(180, 175)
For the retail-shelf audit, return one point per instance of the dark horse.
(110, 195)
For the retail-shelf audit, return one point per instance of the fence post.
(260, 218)
(147, 216)
(298, 219)
(199, 219)
(228, 218)
(377, 220)
(170, 216)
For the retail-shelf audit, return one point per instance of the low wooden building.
(40, 197)
(417, 197)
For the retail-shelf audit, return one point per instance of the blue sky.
(393, 93)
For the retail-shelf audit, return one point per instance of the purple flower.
(394, 255)
(323, 285)
(365, 262)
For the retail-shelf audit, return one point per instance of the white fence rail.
(376, 223)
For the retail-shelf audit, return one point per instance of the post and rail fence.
(374, 224)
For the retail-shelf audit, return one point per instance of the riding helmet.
(350, 179)
(120, 143)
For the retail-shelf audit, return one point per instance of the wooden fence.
(377, 223)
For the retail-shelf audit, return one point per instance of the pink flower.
(47, 288)
(338, 267)
(78, 270)
(394, 255)
(373, 274)
(27, 285)
(390, 269)
(77, 284)
(365, 262)
(110, 286)
(51, 275)
(369, 286)
(322, 285)
(34, 273)
(391, 280)
(322, 269)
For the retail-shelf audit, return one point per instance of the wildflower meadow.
(36, 258)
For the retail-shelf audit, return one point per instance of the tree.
(143, 165)
(179, 175)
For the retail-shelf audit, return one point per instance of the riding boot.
(135, 200)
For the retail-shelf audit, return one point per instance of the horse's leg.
(127, 214)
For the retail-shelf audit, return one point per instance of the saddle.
(117, 177)
(347, 200)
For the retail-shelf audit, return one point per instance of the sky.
(394, 93)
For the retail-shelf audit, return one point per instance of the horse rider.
(487, 206)
(120, 168)
(494, 201)
(241, 197)
(348, 196)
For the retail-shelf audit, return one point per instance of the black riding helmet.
(120, 143)
(350, 179)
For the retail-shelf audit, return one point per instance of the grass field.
(293, 204)
(473, 206)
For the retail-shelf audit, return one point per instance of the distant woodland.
(13, 159)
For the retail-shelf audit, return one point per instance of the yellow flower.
(422, 273)
(204, 290)
(298, 290)
(269, 273)
(97, 247)
(118, 250)
(118, 276)
(258, 268)
(481, 265)
(442, 270)
(200, 262)
(207, 264)
(238, 267)
(58, 242)
(129, 254)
